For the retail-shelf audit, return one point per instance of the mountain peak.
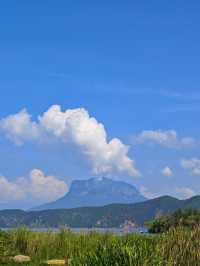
(96, 192)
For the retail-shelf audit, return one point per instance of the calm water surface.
(119, 231)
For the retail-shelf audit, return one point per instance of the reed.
(179, 246)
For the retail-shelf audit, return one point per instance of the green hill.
(113, 215)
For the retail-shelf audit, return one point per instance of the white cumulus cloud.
(166, 171)
(185, 192)
(19, 127)
(45, 188)
(192, 164)
(36, 187)
(167, 138)
(147, 193)
(77, 127)
(10, 191)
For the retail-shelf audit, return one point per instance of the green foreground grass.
(177, 247)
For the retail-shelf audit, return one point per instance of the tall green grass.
(179, 247)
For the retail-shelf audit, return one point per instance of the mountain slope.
(96, 192)
(113, 215)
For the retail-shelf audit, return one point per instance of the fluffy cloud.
(166, 171)
(10, 191)
(19, 127)
(147, 193)
(167, 138)
(185, 192)
(191, 164)
(35, 187)
(73, 126)
(45, 188)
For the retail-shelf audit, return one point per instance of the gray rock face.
(96, 192)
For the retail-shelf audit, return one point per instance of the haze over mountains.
(96, 192)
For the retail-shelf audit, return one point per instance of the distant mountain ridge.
(96, 192)
(114, 215)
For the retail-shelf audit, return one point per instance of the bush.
(188, 218)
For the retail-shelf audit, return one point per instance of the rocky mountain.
(96, 192)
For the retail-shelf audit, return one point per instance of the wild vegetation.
(179, 246)
(189, 218)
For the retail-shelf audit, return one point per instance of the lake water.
(111, 230)
(119, 231)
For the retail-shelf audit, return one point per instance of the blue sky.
(133, 65)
